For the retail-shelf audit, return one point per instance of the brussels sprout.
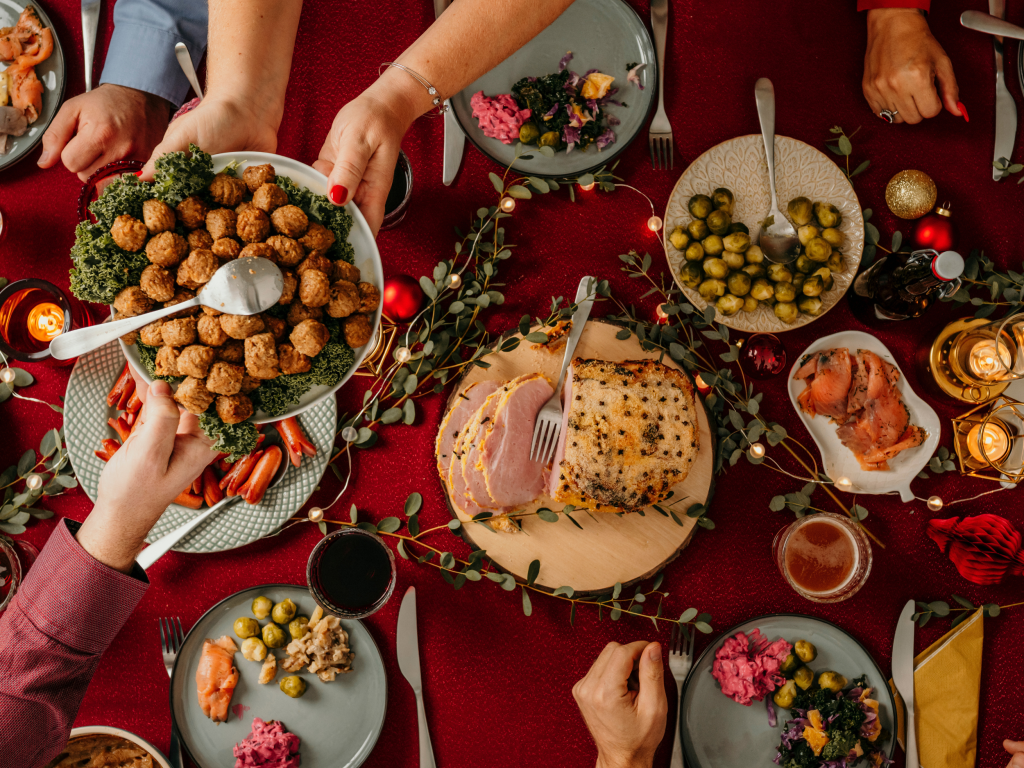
(274, 636)
(713, 245)
(254, 649)
(734, 260)
(826, 278)
(723, 200)
(780, 273)
(711, 289)
(528, 133)
(750, 304)
(803, 677)
(810, 305)
(718, 222)
(786, 311)
(691, 274)
(798, 280)
(700, 206)
(800, 211)
(739, 283)
(549, 139)
(762, 290)
(698, 229)
(818, 250)
(827, 215)
(790, 664)
(729, 305)
(804, 264)
(805, 651)
(679, 239)
(246, 627)
(293, 686)
(835, 263)
(832, 236)
(737, 242)
(716, 268)
(738, 226)
(754, 254)
(832, 681)
(261, 607)
(812, 286)
(694, 252)
(755, 271)
(284, 611)
(784, 696)
(298, 627)
(807, 233)
(785, 291)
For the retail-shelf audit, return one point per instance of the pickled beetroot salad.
(268, 746)
(562, 110)
(748, 667)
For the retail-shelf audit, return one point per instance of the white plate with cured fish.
(869, 425)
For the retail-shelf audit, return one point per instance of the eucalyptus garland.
(926, 611)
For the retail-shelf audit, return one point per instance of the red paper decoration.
(983, 548)
(402, 297)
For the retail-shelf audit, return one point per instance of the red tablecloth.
(498, 683)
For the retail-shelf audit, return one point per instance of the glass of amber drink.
(825, 557)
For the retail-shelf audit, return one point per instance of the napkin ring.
(442, 106)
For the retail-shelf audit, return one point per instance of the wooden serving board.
(609, 548)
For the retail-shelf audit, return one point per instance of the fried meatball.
(182, 295)
(357, 330)
(158, 283)
(199, 238)
(369, 297)
(226, 249)
(290, 220)
(249, 384)
(258, 250)
(167, 362)
(256, 176)
(344, 299)
(180, 332)
(192, 212)
(129, 233)
(220, 222)
(291, 360)
(297, 312)
(184, 277)
(342, 270)
(195, 360)
(243, 207)
(276, 326)
(261, 357)
(210, 331)
(201, 265)
(241, 326)
(314, 288)
(150, 334)
(289, 252)
(132, 301)
(232, 351)
(309, 337)
(234, 409)
(315, 261)
(225, 378)
(166, 249)
(291, 282)
(158, 216)
(227, 190)
(132, 336)
(317, 237)
(193, 395)
(253, 226)
(269, 197)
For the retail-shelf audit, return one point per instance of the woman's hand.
(1016, 750)
(627, 725)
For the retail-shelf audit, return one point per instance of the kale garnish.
(100, 269)
(236, 440)
(182, 174)
(323, 211)
(124, 195)
(147, 356)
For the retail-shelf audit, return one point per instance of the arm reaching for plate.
(627, 724)
(1016, 750)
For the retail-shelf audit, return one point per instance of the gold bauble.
(911, 194)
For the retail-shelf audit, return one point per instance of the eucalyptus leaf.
(353, 514)
(566, 591)
(520, 192)
(26, 462)
(508, 582)
(413, 504)
(454, 524)
(50, 442)
(401, 550)
(391, 415)
(499, 185)
(703, 627)
(22, 378)
(409, 412)
(687, 615)
(389, 525)
(533, 572)
(527, 605)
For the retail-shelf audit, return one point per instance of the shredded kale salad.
(100, 270)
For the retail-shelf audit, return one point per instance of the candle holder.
(379, 357)
(32, 313)
(974, 360)
(397, 204)
(989, 441)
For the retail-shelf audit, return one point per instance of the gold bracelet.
(442, 106)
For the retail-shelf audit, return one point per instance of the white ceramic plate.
(367, 258)
(106, 730)
(838, 460)
(739, 164)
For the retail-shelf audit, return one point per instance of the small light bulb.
(654, 223)
(588, 187)
(316, 515)
(662, 314)
(402, 354)
(454, 281)
(349, 434)
(507, 204)
(34, 482)
(934, 503)
(7, 375)
(757, 451)
(844, 484)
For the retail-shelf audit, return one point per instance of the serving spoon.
(245, 286)
(777, 236)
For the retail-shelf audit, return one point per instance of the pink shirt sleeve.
(868, 5)
(66, 612)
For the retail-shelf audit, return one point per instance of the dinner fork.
(680, 658)
(549, 420)
(659, 136)
(171, 639)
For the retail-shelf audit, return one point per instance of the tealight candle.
(992, 445)
(702, 387)
(45, 322)
(990, 361)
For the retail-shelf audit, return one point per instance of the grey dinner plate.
(337, 723)
(602, 34)
(50, 73)
(719, 733)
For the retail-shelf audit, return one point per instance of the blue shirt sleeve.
(141, 52)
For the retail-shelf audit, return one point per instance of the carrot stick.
(114, 396)
(126, 394)
(134, 403)
(188, 499)
(108, 447)
(211, 491)
(120, 426)
(264, 471)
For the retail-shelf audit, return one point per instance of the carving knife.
(454, 138)
(1006, 110)
(903, 676)
(407, 646)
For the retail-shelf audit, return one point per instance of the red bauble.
(402, 297)
(935, 230)
(762, 356)
(984, 548)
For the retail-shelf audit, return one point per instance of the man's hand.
(165, 453)
(110, 123)
(903, 63)
(627, 725)
(1016, 749)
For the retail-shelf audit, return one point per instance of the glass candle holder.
(351, 573)
(33, 312)
(397, 204)
(989, 441)
(974, 360)
(100, 178)
(10, 571)
(825, 557)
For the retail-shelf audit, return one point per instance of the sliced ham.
(467, 403)
(468, 456)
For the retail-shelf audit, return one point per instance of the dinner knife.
(903, 676)
(1006, 109)
(90, 23)
(407, 647)
(984, 22)
(454, 138)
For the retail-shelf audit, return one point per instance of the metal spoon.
(778, 239)
(240, 287)
(185, 62)
(983, 22)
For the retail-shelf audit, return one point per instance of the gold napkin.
(947, 688)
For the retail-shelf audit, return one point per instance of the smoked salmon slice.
(828, 376)
(216, 678)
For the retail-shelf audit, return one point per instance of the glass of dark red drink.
(351, 573)
(825, 557)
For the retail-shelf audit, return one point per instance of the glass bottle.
(901, 286)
